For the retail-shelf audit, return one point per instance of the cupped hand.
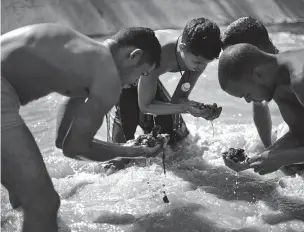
(158, 148)
(238, 167)
(209, 112)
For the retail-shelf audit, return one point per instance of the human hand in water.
(236, 159)
(152, 144)
(238, 167)
(156, 150)
(209, 112)
(267, 162)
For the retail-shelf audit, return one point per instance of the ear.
(136, 55)
(258, 74)
(182, 47)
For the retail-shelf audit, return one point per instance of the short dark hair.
(142, 38)
(237, 60)
(202, 37)
(248, 30)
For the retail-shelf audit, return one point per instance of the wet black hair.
(142, 38)
(248, 30)
(239, 60)
(202, 37)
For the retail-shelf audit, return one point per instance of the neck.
(113, 47)
(283, 77)
(179, 63)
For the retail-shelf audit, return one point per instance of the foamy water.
(204, 195)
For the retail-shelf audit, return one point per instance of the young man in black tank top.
(190, 51)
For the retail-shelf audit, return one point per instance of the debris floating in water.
(165, 198)
(236, 154)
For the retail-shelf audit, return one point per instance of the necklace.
(179, 68)
(186, 86)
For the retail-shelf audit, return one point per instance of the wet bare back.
(45, 58)
(35, 61)
(289, 97)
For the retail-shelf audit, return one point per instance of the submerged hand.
(267, 162)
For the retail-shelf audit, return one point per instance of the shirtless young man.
(247, 72)
(40, 59)
(252, 31)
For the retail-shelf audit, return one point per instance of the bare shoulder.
(294, 59)
(37, 34)
(167, 36)
(168, 32)
(296, 65)
(297, 84)
(38, 30)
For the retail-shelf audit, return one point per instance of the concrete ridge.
(104, 17)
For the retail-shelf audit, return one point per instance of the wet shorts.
(10, 106)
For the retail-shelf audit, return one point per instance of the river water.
(204, 195)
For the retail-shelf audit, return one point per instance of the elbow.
(58, 143)
(68, 150)
(144, 108)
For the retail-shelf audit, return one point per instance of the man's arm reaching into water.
(82, 120)
(99, 150)
(272, 160)
(263, 123)
(146, 93)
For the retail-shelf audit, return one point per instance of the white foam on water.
(204, 195)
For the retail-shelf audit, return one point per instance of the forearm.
(293, 156)
(162, 108)
(104, 151)
(263, 123)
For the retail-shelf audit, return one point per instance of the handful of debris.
(237, 155)
(216, 111)
(151, 139)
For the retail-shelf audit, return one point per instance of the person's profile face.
(250, 90)
(193, 62)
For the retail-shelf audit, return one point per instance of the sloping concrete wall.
(103, 17)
